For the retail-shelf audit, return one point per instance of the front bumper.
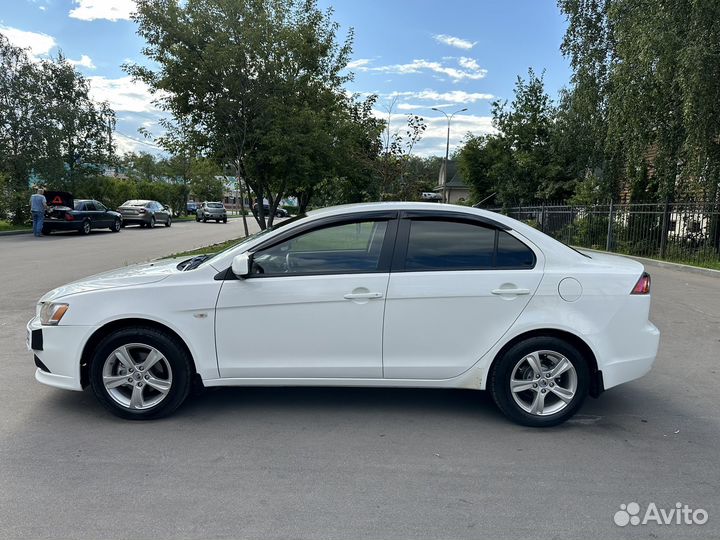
(58, 350)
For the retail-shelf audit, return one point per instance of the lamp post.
(447, 151)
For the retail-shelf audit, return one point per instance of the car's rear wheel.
(224, 220)
(86, 227)
(116, 226)
(168, 223)
(140, 373)
(540, 382)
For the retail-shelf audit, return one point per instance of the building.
(456, 189)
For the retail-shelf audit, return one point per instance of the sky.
(414, 54)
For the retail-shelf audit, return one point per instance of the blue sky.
(414, 54)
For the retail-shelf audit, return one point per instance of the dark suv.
(145, 213)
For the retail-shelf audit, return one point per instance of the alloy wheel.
(543, 382)
(137, 376)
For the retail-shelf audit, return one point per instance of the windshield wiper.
(193, 263)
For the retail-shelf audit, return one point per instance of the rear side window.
(453, 245)
(449, 245)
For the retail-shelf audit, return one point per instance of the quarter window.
(350, 247)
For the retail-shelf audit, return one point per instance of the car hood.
(128, 276)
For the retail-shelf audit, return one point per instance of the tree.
(204, 182)
(246, 82)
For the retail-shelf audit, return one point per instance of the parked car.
(382, 294)
(211, 210)
(64, 213)
(279, 212)
(192, 208)
(145, 213)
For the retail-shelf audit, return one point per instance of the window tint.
(512, 253)
(449, 245)
(99, 206)
(90, 206)
(79, 206)
(351, 247)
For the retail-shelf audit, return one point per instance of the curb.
(664, 264)
(13, 233)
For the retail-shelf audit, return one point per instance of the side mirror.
(241, 264)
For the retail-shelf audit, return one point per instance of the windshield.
(257, 235)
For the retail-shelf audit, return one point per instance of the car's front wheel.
(140, 373)
(168, 223)
(540, 382)
(116, 226)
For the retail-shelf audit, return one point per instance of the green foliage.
(204, 183)
(258, 86)
(50, 129)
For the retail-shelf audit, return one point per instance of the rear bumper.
(57, 351)
(618, 370)
(130, 220)
(62, 225)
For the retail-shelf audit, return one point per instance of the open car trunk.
(59, 202)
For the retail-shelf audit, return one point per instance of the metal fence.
(681, 232)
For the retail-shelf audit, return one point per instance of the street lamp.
(447, 150)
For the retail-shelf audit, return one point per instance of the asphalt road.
(348, 463)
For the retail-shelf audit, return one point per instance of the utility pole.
(445, 196)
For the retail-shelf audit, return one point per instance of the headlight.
(51, 313)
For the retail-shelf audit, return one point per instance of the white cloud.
(123, 94)
(359, 64)
(455, 96)
(38, 43)
(435, 136)
(454, 41)
(112, 10)
(470, 71)
(85, 61)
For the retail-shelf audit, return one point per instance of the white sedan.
(382, 294)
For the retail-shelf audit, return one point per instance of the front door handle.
(511, 291)
(354, 296)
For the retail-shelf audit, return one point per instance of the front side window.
(99, 206)
(345, 248)
(455, 245)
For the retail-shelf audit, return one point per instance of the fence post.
(608, 244)
(542, 217)
(664, 232)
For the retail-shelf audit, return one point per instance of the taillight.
(643, 285)
(69, 217)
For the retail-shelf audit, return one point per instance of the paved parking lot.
(348, 463)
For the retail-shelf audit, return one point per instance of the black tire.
(502, 371)
(204, 219)
(122, 224)
(116, 226)
(217, 221)
(173, 351)
(152, 222)
(85, 228)
(224, 220)
(168, 223)
(197, 219)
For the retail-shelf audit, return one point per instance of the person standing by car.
(38, 205)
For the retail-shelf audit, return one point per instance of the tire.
(217, 221)
(116, 226)
(152, 222)
(168, 223)
(224, 220)
(537, 390)
(204, 219)
(85, 228)
(197, 219)
(122, 224)
(172, 373)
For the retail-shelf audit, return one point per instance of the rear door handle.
(511, 291)
(353, 296)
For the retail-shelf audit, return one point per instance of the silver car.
(211, 210)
